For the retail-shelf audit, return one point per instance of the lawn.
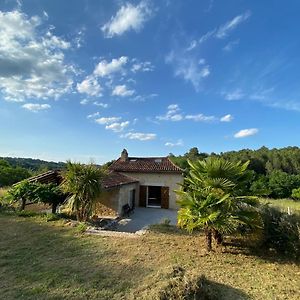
(49, 260)
(284, 204)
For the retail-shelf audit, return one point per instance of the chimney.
(124, 155)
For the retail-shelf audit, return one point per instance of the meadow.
(50, 260)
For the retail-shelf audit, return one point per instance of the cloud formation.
(122, 91)
(139, 136)
(128, 17)
(176, 144)
(246, 132)
(89, 86)
(35, 107)
(188, 67)
(174, 114)
(31, 62)
(226, 118)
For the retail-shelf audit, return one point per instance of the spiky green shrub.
(83, 184)
(212, 199)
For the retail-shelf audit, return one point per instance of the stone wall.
(111, 202)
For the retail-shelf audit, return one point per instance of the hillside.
(33, 164)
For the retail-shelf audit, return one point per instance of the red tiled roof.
(47, 177)
(115, 179)
(145, 165)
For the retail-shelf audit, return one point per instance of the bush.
(281, 232)
(296, 194)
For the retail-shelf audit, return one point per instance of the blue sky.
(82, 80)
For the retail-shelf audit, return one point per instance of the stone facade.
(111, 202)
(170, 180)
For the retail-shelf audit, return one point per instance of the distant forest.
(272, 172)
(13, 169)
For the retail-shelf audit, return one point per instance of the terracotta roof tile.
(115, 179)
(145, 165)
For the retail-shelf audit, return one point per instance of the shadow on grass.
(249, 247)
(40, 260)
(182, 284)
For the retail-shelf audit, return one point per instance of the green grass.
(49, 260)
(283, 204)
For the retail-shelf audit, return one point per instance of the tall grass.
(285, 205)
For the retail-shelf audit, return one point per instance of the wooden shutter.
(164, 197)
(143, 195)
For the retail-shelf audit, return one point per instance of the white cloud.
(224, 30)
(84, 101)
(221, 32)
(142, 67)
(108, 120)
(97, 103)
(172, 114)
(122, 91)
(200, 118)
(139, 136)
(89, 86)
(234, 95)
(246, 132)
(117, 127)
(178, 143)
(94, 115)
(35, 107)
(229, 46)
(188, 67)
(226, 118)
(128, 17)
(142, 98)
(104, 68)
(31, 63)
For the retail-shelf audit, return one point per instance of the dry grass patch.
(48, 260)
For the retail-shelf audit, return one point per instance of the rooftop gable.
(145, 165)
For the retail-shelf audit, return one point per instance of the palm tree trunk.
(218, 237)
(208, 235)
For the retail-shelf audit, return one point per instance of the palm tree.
(83, 184)
(212, 199)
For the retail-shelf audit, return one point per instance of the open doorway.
(154, 196)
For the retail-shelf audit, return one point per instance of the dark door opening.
(154, 196)
(132, 199)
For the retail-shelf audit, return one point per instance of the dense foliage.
(83, 184)
(212, 198)
(273, 173)
(10, 174)
(281, 232)
(13, 170)
(34, 165)
(23, 192)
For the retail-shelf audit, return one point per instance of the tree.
(10, 175)
(50, 194)
(83, 184)
(212, 199)
(23, 191)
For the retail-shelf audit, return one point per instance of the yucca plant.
(83, 184)
(211, 199)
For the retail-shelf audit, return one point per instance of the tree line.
(13, 170)
(271, 172)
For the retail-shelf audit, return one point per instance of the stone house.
(136, 181)
(140, 181)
